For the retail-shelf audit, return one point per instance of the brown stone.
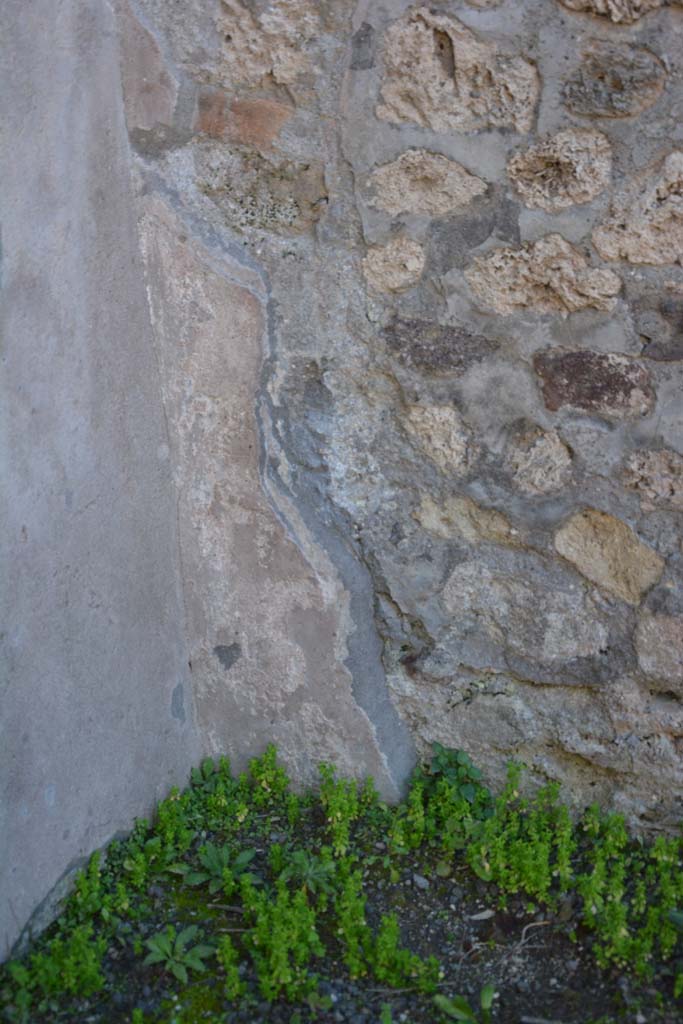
(436, 348)
(659, 642)
(657, 476)
(608, 553)
(605, 383)
(149, 90)
(440, 75)
(573, 166)
(615, 80)
(252, 122)
(549, 276)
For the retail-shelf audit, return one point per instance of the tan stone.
(548, 276)
(462, 517)
(251, 122)
(440, 75)
(657, 476)
(573, 166)
(423, 182)
(149, 90)
(394, 267)
(441, 433)
(659, 642)
(539, 461)
(269, 45)
(645, 224)
(622, 12)
(608, 553)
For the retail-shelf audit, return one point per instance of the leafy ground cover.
(245, 902)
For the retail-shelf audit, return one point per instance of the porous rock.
(257, 191)
(615, 79)
(657, 476)
(539, 461)
(269, 45)
(605, 383)
(621, 12)
(608, 553)
(573, 166)
(433, 347)
(440, 75)
(659, 643)
(422, 182)
(646, 221)
(441, 433)
(548, 276)
(394, 267)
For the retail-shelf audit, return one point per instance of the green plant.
(270, 782)
(172, 950)
(396, 966)
(228, 957)
(341, 804)
(219, 868)
(458, 1008)
(314, 874)
(282, 939)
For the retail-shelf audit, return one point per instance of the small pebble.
(420, 881)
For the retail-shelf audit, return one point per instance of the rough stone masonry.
(354, 331)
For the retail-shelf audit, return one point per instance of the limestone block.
(548, 276)
(516, 613)
(615, 79)
(439, 74)
(605, 383)
(573, 166)
(442, 434)
(539, 461)
(462, 517)
(621, 12)
(659, 642)
(646, 220)
(394, 267)
(608, 553)
(657, 476)
(423, 182)
(437, 348)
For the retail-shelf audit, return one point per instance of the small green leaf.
(180, 972)
(457, 1008)
(487, 996)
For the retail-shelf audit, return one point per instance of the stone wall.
(415, 300)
